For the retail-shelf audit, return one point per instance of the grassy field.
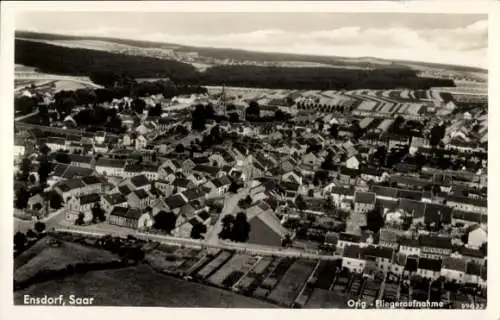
(44, 257)
(292, 282)
(326, 299)
(140, 286)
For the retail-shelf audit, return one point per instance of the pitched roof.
(115, 198)
(141, 194)
(364, 197)
(211, 170)
(70, 184)
(473, 253)
(416, 208)
(221, 181)
(353, 252)
(112, 163)
(407, 242)
(473, 269)
(411, 263)
(437, 213)
(194, 193)
(349, 237)
(454, 264)
(378, 252)
(435, 241)
(175, 201)
(139, 181)
(89, 198)
(429, 264)
(387, 235)
(88, 180)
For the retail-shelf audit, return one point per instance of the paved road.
(169, 240)
(52, 221)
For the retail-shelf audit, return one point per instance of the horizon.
(451, 39)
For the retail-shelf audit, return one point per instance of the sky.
(460, 39)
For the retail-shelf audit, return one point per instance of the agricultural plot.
(236, 263)
(292, 282)
(325, 274)
(214, 265)
(254, 278)
(57, 258)
(322, 298)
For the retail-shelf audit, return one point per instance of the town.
(304, 199)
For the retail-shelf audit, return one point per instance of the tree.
(39, 227)
(63, 157)
(227, 226)
(79, 221)
(22, 197)
(44, 149)
(241, 228)
(374, 220)
(98, 213)
(484, 248)
(179, 148)
(198, 230)
(300, 202)
(334, 131)
(156, 111)
(32, 179)
(30, 234)
(138, 105)
(25, 105)
(233, 188)
(165, 221)
(252, 113)
(104, 78)
(437, 134)
(198, 118)
(234, 117)
(19, 241)
(56, 201)
(25, 170)
(43, 171)
(279, 116)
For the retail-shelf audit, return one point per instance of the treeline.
(56, 59)
(318, 78)
(82, 62)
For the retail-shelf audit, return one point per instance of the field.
(146, 288)
(326, 299)
(236, 263)
(44, 257)
(292, 282)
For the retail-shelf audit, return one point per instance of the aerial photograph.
(250, 159)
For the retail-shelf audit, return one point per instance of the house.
(468, 204)
(37, 202)
(429, 268)
(56, 144)
(130, 218)
(352, 163)
(175, 203)
(388, 239)
(294, 176)
(164, 186)
(454, 269)
(311, 160)
(187, 166)
(70, 188)
(207, 171)
(218, 186)
(138, 182)
(364, 201)
(141, 142)
(435, 247)
(83, 204)
(476, 236)
(197, 193)
(347, 239)
(109, 201)
(468, 218)
(352, 259)
(19, 148)
(437, 215)
(182, 184)
(110, 167)
(265, 227)
(383, 256)
(341, 193)
(331, 239)
(139, 198)
(398, 264)
(473, 273)
(82, 161)
(471, 254)
(409, 247)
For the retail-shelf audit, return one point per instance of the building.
(364, 201)
(352, 259)
(265, 227)
(110, 167)
(109, 201)
(130, 218)
(477, 236)
(429, 268)
(435, 247)
(82, 204)
(409, 247)
(454, 269)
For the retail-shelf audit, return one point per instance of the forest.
(84, 62)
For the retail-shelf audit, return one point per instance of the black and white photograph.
(249, 159)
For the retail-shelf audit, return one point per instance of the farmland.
(148, 287)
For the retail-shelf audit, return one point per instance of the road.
(230, 203)
(169, 240)
(52, 221)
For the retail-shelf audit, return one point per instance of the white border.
(8, 311)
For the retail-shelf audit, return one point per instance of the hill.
(85, 62)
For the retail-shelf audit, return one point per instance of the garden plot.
(253, 279)
(292, 282)
(235, 264)
(214, 265)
